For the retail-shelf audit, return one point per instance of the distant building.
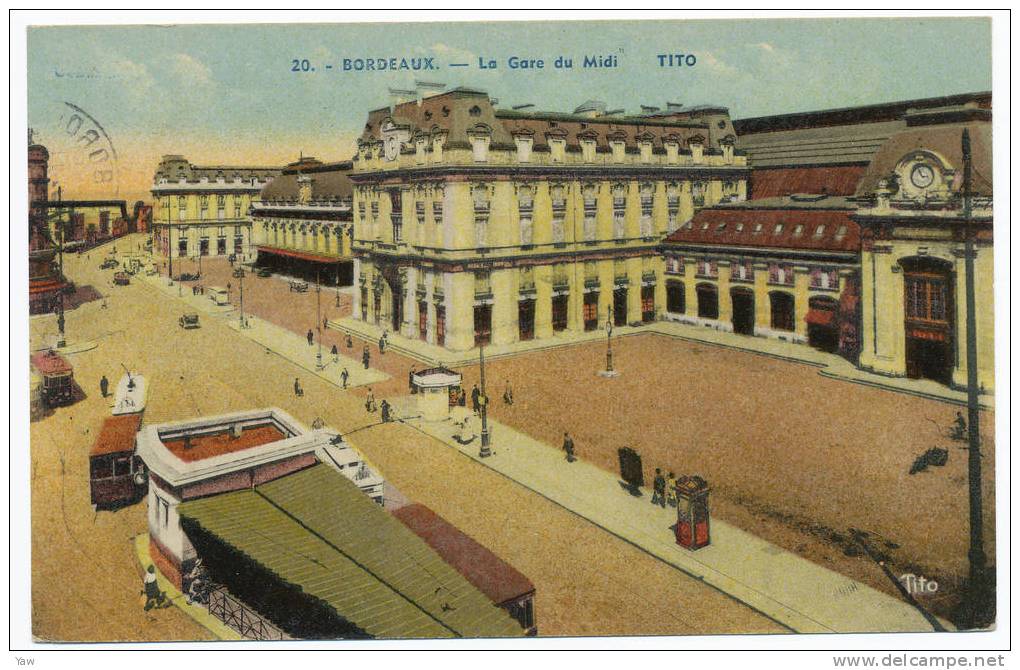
(302, 222)
(477, 225)
(204, 210)
(45, 281)
(217, 454)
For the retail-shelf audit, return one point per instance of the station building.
(852, 240)
(475, 224)
(204, 210)
(302, 222)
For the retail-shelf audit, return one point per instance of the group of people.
(664, 489)
(385, 409)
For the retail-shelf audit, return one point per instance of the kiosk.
(692, 527)
(433, 389)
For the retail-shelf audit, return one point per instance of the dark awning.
(303, 255)
(820, 317)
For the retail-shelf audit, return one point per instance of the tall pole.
(609, 339)
(318, 317)
(977, 603)
(61, 341)
(240, 276)
(338, 280)
(169, 243)
(485, 451)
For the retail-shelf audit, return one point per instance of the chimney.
(235, 431)
(399, 96)
(427, 89)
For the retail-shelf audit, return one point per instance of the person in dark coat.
(659, 489)
(349, 341)
(298, 391)
(475, 395)
(385, 407)
(310, 337)
(335, 353)
(382, 344)
(508, 394)
(365, 357)
(410, 380)
(568, 446)
(344, 375)
(104, 386)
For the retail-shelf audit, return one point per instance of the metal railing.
(241, 618)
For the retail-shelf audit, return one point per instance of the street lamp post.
(485, 451)
(338, 283)
(609, 340)
(979, 600)
(240, 286)
(318, 318)
(61, 340)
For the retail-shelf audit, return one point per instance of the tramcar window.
(100, 468)
(122, 466)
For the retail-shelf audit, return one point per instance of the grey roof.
(818, 146)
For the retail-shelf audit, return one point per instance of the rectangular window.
(559, 312)
(590, 227)
(559, 212)
(527, 225)
(926, 298)
(483, 324)
(675, 298)
(647, 304)
(526, 319)
(419, 212)
(591, 311)
(238, 243)
(440, 325)
(221, 246)
(437, 211)
(203, 246)
(619, 218)
(780, 274)
(646, 215)
(398, 226)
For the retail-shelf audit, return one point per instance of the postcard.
(509, 330)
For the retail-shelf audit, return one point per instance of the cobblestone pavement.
(86, 579)
(791, 455)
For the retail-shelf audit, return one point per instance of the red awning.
(820, 317)
(303, 255)
(50, 363)
(117, 435)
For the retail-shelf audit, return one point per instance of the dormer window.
(798, 229)
(840, 233)
(619, 149)
(819, 231)
(524, 145)
(778, 229)
(757, 228)
(480, 148)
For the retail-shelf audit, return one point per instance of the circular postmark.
(82, 157)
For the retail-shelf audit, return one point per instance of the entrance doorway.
(620, 307)
(928, 318)
(823, 331)
(483, 324)
(526, 319)
(559, 312)
(647, 304)
(743, 311)
(591, 311)
(782, 310)
(708, 301)
(423, 320)
(397, 310)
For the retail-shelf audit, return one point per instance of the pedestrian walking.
(365, 357)
(568, 446)
(671, 490)
(508, 394)
(370, 402)
(335, 353)
(325, 322)
(310, 337)
(382, 343)
(298, 391)
(104, 386)
(344, 375)
(659, 489)
(410, 380)
(385, 406)
(475, 395)
(153, 596)
(349, 341)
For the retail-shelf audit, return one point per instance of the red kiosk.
(692, 527)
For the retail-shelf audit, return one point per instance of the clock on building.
(922, 175)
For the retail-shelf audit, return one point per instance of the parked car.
(218, 295)
(263, 272)
(299, 286)
(121, 279)
(189, 320)
(188, 276)
(109, 263)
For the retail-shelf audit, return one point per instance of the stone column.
(634, 290)
(409, 326)
(505, 327)
(725, 299)
(356, 293)
(762, 308)
(460, 316)
(801, 281)
(543, 301)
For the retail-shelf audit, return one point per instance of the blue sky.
(226, 93)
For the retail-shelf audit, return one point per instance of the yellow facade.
(204, 211)
(445, 228)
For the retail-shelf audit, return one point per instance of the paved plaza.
(588, 581)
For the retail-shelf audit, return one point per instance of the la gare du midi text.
(512, 63)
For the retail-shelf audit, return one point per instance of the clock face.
(922, 176)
